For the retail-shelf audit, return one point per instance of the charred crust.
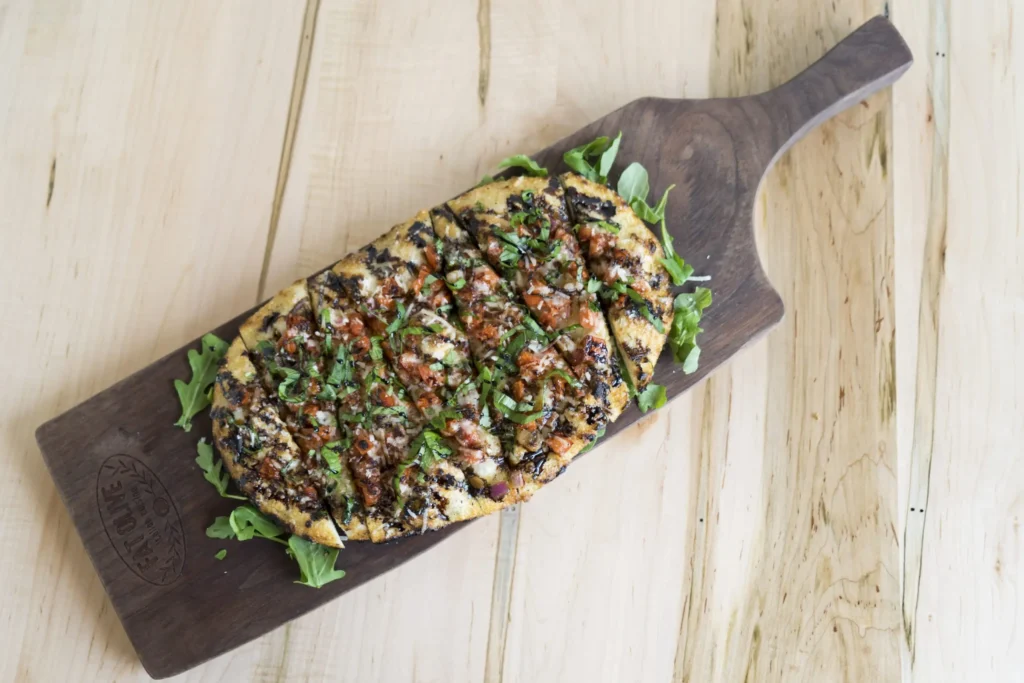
(421, 233)
(268, 320)
(587, 207)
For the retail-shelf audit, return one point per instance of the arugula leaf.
(524, 162)
(677, 268)
(316, 562)
(601, 150)
(608, 158)
(213, 469)
(246, 522)
(651, 398)
(485, 180)
(196, 395)
(221, 554)
(682, 338)
(221, 528)
(633, 183)
(648, 214)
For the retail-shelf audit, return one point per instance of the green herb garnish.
(602, 151)
(197, 393)
(316, 562)
(526, 163)
(682, 338)
(651, 398)
(213, 469)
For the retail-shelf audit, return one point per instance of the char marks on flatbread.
(523, 229)
(620, 250)
(259, 453)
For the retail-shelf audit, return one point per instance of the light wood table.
(842, 502)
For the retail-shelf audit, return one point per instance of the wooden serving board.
(141, 506)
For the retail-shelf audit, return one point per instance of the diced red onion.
(498, 490)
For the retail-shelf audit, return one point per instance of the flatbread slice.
(296, 367)
(395, 283)
(376, 417)
(523, 229)
(528, 388)
(622, 252)
(261, 456)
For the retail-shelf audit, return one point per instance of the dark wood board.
(141, 505)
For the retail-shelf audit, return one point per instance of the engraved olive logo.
(140, 519)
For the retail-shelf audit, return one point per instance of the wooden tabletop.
(833, 505)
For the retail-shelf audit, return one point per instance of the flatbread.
(523, 229)
(395, 283)
(261, 456)
(295, 367)
(551, 417)
(630, 257)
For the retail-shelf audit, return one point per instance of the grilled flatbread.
(620, 251)
(260, 454)
(396, 282)
(543, 412)
(523, 229)
(288, 350)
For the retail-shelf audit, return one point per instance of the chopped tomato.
(589, 318)
(360, 345)
(290, 347)
(518, 389)
(532, 300)
(431, 255)
(558, 444)
(355, 326)
(470, 456)
(268, 470)
(427, 400)
(486, 276)
(385, 398)
(487, 332)
(421, 276)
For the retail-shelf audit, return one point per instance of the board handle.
(869, 59)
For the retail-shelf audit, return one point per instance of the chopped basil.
(332, 455)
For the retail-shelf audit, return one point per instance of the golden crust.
(230, 410)
(640, 343)
(260, 326)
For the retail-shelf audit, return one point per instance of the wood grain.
(148, 508)
(123, 131)
(131, 127)
(963, 475)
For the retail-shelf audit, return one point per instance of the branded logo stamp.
(140, 519)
